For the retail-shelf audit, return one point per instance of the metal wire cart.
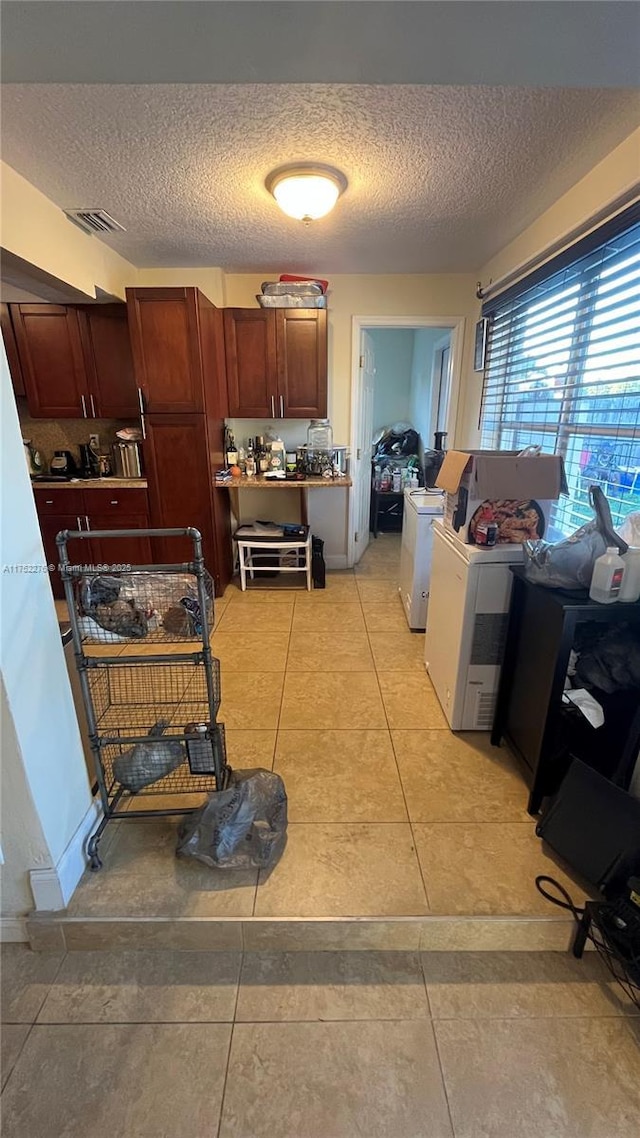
(152, 714)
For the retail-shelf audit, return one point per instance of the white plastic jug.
(630, 588)
(607, 578)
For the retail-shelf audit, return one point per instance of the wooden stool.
(252, 545)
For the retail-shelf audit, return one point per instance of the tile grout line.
(395, 759)
(275, 745)
(233, 1024)
(18, 1056)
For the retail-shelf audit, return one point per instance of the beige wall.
(23, 843)
(209, 281)
(359, 295)
(36, 230)
(611, 177)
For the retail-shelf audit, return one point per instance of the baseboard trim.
(13, 930)
(53, 888)
(336, 561)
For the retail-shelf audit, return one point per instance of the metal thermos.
(127, 460)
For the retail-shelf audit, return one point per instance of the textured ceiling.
(439, 177)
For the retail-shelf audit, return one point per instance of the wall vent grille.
(94, 220)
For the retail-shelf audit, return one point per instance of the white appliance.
(466, 626)
(421, 509)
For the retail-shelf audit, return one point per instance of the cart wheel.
(95, 863)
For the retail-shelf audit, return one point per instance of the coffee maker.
(63, 462)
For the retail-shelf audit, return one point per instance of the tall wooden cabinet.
(177, 339)
(276, 362)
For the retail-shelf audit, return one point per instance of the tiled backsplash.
(49, 435)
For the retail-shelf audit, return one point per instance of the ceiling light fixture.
(306, 191)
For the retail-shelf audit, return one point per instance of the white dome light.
(306, 192)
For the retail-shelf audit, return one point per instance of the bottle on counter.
(232, 453)
(608, 575)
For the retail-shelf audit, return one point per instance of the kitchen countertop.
(261, 483)
(92, 483)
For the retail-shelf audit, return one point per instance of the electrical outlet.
(94, 442)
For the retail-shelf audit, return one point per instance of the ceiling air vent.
(94, 220)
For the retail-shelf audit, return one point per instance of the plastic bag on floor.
(241, 827)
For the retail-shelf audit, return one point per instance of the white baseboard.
(336, 561)
(53, 888)
(13, 930)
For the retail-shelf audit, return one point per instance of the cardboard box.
(516, 491)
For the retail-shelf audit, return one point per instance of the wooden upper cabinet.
(276, 362)
(301, 339)
(111, 382)
(252, 374)
(164, 330)
(52, 360)
(11, 348)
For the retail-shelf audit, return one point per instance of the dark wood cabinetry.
(74, 361)
(165, 339)
(52, 360)
(276, 362)
(90, 509)
(11, 348)
(177, 338)
(301, 344)
(250, 351)
(104, 329)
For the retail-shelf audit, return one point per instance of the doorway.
(406, 371)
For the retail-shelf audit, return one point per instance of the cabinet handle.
(114, 501)
(86, 521)
(273, 407)
(79, 523)
(282, 407)
(84, 406)
(48, 501)
(141, 406)
(93, 406)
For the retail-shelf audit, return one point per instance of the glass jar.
(319, 435)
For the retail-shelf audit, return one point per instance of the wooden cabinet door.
(11, 348)
(302, 362)
(163, 325)
(112, 386)
(179, 480)
(114, 508)
(118, 551)
(250, 349)
(53, 366)
(78, 551)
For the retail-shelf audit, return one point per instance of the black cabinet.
(545, 625)
(387, 508)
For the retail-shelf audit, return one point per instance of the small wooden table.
(259, 482)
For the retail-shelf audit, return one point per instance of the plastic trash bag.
(568, 564)
(241, 827)
(148, 762)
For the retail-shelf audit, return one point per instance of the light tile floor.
(390, 813)
(153, 1044)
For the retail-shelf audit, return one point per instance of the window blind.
(562, 370)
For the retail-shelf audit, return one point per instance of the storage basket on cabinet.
(149, 680)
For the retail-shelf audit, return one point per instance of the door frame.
(456, 326)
